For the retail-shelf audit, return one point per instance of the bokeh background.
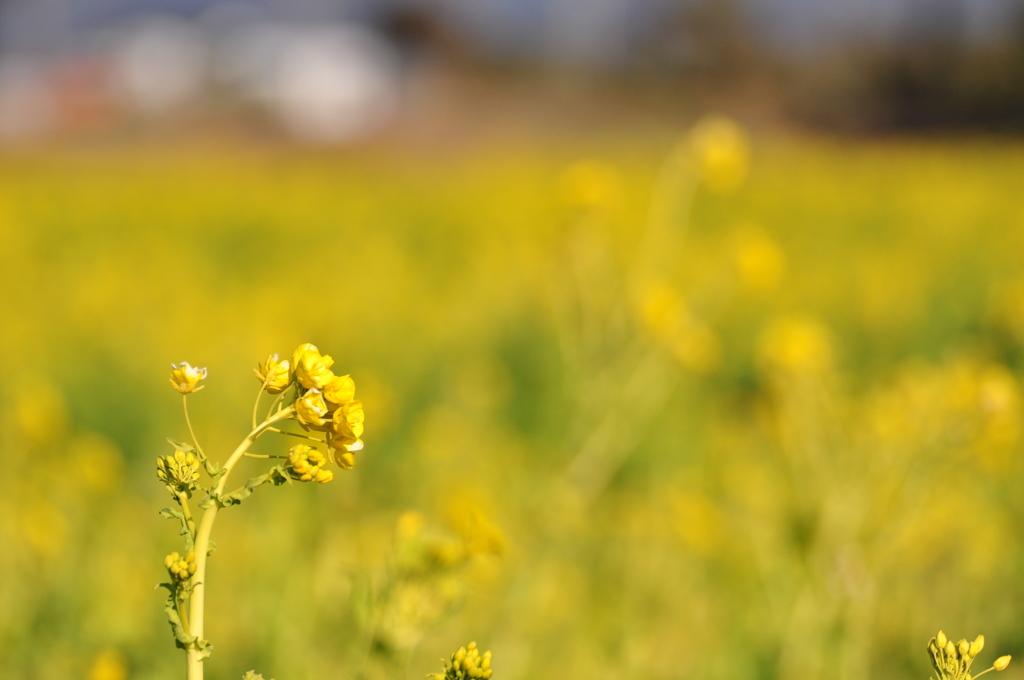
(688, 331)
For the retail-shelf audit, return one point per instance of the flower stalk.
(334, 422)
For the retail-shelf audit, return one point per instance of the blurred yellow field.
(726, 406)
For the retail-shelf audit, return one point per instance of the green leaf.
(181, 446)
(276, 476)
(171, 513)
(204, 647)
(186, 530)
(181, 640)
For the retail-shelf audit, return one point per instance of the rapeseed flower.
(310, 409)
(274, 374)
(312, 369)
(185, 377)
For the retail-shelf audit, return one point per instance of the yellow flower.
(347, 426)
(311, 369)
(722, 151)
(185, 377)
(1001, 663)
(341, 390)
(109, 665)
(274, 374)
(310, 409)
(306, 464)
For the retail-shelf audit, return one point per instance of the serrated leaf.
(171, 513)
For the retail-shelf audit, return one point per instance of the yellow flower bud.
(274, 374)
(940, 640)
(179, 472)
(977, 646)
(341, 390)
(310, 409)
(950, 648)
(306, 464)
(1001, 663)
(185, 377)
(963, 647)
(487, 674)
(344, 459)
(311, 369)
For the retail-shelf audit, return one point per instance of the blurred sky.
(581, 29)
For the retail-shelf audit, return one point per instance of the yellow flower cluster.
(952, 660)
(180, 568)
(306, 464)
(179, 472)
(185, 377)
(466, 663)
(324, 402)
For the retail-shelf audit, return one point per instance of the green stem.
(256, 406)
(185, 510)
(184, 404)
(193, 663)
(296, 434)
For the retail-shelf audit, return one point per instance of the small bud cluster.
(180, 568)
(952, 660)
(306, 464)
(185, 377)
(466, 663)
(179, 472)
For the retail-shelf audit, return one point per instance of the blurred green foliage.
(780, 442)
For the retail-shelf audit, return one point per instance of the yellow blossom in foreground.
(310, 409)
(341, 390)
(311, 369)
(1001, 663)
(307, 464)
(274, 374)
(185, 377)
